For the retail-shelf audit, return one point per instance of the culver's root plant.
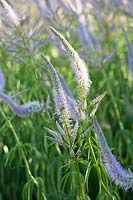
(64, 110)
(59, 151)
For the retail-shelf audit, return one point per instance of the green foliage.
(34, 168)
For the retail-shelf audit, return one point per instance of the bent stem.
(22, 151)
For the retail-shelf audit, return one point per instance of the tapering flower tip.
(59, 96)
(11, 14)
(52, 71)
(78, 65)
(2, 81)
(117, 174)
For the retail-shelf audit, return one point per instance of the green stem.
(27, 167)
(110, 197)
(95, 161)
(92, 152)
(22, 151)
(79, 180)
(114, 101)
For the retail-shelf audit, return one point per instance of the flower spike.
(10, 12)
(58, 92)
(21, 110)
(79, 68)
(117, 174)
(63, 97)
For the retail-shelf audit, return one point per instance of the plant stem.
(79, 179)
(22, 151)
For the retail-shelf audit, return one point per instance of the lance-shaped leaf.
(117, 174)
(60, 129)
(21, 110)
(96, 102)
(79, 68)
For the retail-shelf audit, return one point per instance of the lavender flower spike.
(10, 12)
(58, 92)
(21, 110)
(117, 174)
(62, 95)
(79, 67)
(2, 81)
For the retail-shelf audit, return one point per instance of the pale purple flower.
(2, 81)
(58, 92)
(66, 108)
(11, 14)
(21, 110)
(79, 67)
(117, 174)
(73, 106)
(62, 96)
